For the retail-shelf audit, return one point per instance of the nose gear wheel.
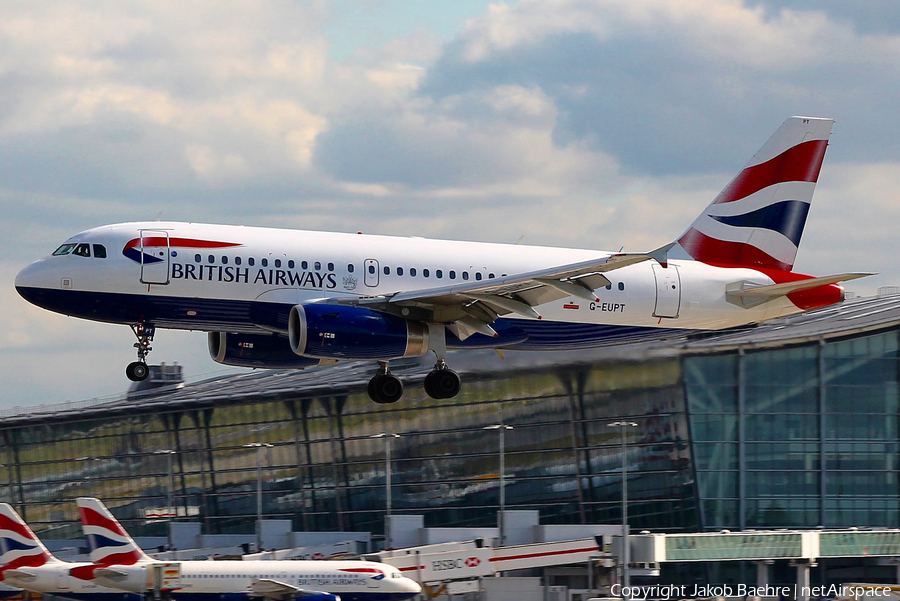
(137, 371)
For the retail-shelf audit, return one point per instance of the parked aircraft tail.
(19, 547)
(108, 542)
(757, 220)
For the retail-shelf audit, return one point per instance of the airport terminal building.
(791, 424)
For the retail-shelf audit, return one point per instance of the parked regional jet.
(26, 563)
(285, 298)
(120, 563)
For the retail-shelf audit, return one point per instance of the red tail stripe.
(800, 163)
(90, 517)
(119, 559)
(7, 523)
(709, 250)
(361, 570)
(26, 561)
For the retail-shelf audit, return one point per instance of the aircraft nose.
(412, 587)
(29, 277)
(32, 282)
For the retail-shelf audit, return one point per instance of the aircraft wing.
(275, 589)
(471, 306)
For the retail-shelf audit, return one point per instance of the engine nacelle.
(341, 332)
(255, 350)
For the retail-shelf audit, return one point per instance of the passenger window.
(211, 259)
(82, 250)
(198, 258)
(331, 267)
(452, 275)
(425, 273)
(291, 264)
(372, 269)
(399, 271)
(350, 267)
(387, 270)
(63, 250)
(237, 260)
(304, 265)
(438, 273)
(264, 262)
(224, 260)
(99, 251)
(490, 276)
(277, 262)
(609, 286)
(318, 266)
(412, 271)
(478, 275)
(251, 261)
(465, 275)
(621, 285)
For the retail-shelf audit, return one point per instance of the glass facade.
(797, 437)
(325, 471)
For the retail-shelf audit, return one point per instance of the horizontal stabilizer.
(751, 296)
(20, 575)
(110, 574)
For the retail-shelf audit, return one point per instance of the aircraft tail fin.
(108, 542)
(19, 547)
(757, 220)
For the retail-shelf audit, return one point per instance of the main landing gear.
(441, 383)
(385, 387)
(138, 371)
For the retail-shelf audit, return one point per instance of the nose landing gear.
(442, 382)
(138, 371)
(384, 387)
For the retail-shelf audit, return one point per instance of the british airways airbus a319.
(275, 298)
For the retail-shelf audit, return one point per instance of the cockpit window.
(82, 250)
(63, 250)
(99, 251)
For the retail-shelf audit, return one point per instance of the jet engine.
(342, 332)
(255, 350)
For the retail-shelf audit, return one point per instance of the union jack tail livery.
(108, 542)
(19, 547)
(757, 220)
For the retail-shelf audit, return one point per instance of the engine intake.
(255, 350)
(340, 332)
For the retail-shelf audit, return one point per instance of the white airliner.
(27, 564)
(118, 562)
(286, 298)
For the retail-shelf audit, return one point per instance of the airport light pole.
(501, 522)
(170, 493)
(625, 546)
(388, 534)
(259, 446)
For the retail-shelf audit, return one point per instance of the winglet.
(661, 254)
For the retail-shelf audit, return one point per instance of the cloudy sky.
(594, 124)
